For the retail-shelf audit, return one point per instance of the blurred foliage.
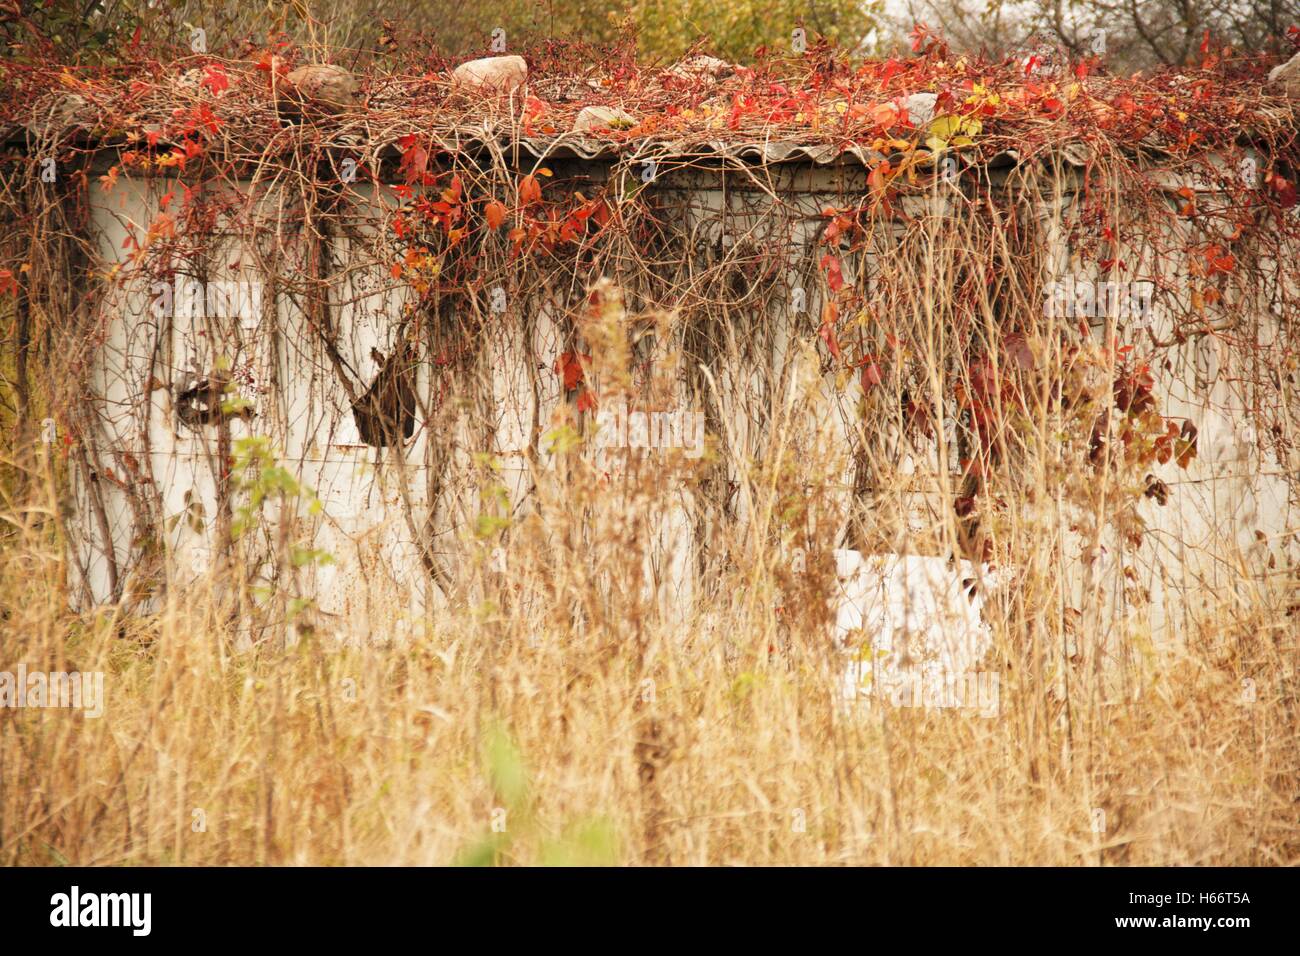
(67, 29)
(102, 30)
(666, 28)
(516, 834)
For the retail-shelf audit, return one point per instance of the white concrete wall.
(373, 511)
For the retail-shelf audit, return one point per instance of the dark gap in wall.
(385, 414)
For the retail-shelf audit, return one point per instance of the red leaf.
(1018, 351)
(920, 33)
(871, 373)
(453, 194)
(1219, 260)
(270, 63)
(919, 415)
(495, 214)
(834, 275)
(533, 109)
(569, 367)
(1286, 191)
(215, 79)
(415, 158)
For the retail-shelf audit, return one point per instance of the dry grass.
(289, 770)
(629, 739)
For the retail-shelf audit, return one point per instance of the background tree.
(1139, 34)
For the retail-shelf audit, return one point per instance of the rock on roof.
(779, 111)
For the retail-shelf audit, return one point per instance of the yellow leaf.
(943, 127)
(952, 130)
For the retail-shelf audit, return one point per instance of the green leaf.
(506, 767)
(562, 440)
(591, 843)
(482, 853)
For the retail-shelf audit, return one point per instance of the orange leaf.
(834, 276)
(876, 179)
(569, 367)
(495, 213)
(830, 315)
(885, 115)
(530, 190)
